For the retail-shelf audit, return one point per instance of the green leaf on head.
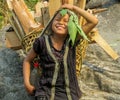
(73, 26)
(63, 12)
(72, 30)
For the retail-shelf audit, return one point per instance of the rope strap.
(66, 72)
(57, 67)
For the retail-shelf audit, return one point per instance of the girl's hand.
(68, 6)
(30, 89)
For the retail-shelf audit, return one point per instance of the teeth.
(60, 26)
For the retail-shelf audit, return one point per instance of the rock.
(101, 81)
(11, 78)
(100, 3)
(100, 74)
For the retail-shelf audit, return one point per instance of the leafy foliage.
(3, 14)
(63, 12)
(31, 3)
(72, 29)
(73, 26)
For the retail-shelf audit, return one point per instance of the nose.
(61, 21)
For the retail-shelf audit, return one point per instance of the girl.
(57, 59)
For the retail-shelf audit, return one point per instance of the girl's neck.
(58, 38)
(58, 41)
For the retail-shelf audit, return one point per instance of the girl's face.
(59, 25)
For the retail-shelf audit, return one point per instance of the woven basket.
(28, 40)
(80, 54)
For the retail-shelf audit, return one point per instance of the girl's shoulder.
(39, 44)
(40, 40)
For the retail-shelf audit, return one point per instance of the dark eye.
(57, 19)
(66, 20)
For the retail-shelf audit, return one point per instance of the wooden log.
(81, 4)
(95, 11)
(64, 2)
(9, 4)
(95, 36)
(12, 41)
(38, 7)
(45, 15)
(67, 2)
(22, 15)
(27, 23)
(24, 6)
(71, 2)
(54, 5)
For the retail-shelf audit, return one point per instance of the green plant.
(73, 26)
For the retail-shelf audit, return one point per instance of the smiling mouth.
(60, 27)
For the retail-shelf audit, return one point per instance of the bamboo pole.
(15, 29)
(12, 21)
(20, 28)
(81, 4)
(95, 11)
(95, 36)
